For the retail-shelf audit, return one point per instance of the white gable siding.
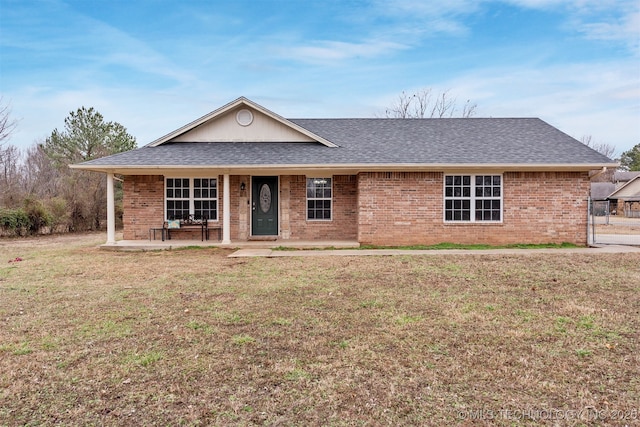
(226, 129)
(630, 190)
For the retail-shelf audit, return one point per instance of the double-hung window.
(191, 197)
(473, 198)
(319, 199)
(205, 198)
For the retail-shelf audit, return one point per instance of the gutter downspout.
(597, 174)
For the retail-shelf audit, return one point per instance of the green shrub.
(14, 221)
(38, 215)
(57, 207)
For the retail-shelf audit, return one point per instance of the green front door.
(264, 206)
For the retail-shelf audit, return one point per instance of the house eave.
(280, 169)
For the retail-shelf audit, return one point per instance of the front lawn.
(191, 337)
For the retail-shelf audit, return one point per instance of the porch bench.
(213, 226)
(204, 228)
(154, 230)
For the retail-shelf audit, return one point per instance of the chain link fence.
(611, 228)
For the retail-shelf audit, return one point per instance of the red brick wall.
(407, 208)
(143, 203)
(390, 209)
(344, 223)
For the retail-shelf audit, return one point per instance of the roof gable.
(629, 190)
(241, 121)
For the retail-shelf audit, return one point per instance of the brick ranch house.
(378, 181)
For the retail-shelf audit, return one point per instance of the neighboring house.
(622, 192)
(622, 177)
(375, 181)
(627, 197)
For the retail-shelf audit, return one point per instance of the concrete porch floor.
(158, 245)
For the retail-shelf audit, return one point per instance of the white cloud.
(610, 20)
(410, 18)
(327, 52)
(625, 28)
(427, 9)
(581, 99)
(116, 47)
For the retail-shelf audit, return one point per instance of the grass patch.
(447, 245)
(281, 322)
(297, 374)
(442, 246)
(370, 304)
(16, 349)
(583, 353)
(90, 337)
(243, 339)
(407, 319)
(285, 248)
(143, 359)
(561, 324)
(200, 326)
(190, 248)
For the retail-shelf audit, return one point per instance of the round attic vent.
(244, 117)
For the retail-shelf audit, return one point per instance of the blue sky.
(156, 65)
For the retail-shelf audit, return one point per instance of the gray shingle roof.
(624, 176)
(602, 190)
(471, 141)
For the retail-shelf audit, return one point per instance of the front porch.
(242, 207)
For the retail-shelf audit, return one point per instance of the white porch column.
(226, 211)
(111, 211)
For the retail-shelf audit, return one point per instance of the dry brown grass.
(194, 338)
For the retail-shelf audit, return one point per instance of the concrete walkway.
(270, 253)
(338, 248)
(618, 239)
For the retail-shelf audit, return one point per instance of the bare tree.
(423, 104)
(9, 156)
(605, 149)
(601, 147)
(7, 125)
(39, 174)
(11, 194)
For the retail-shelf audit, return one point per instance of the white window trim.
(472, 199)
(192, 199)
(306, 205)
